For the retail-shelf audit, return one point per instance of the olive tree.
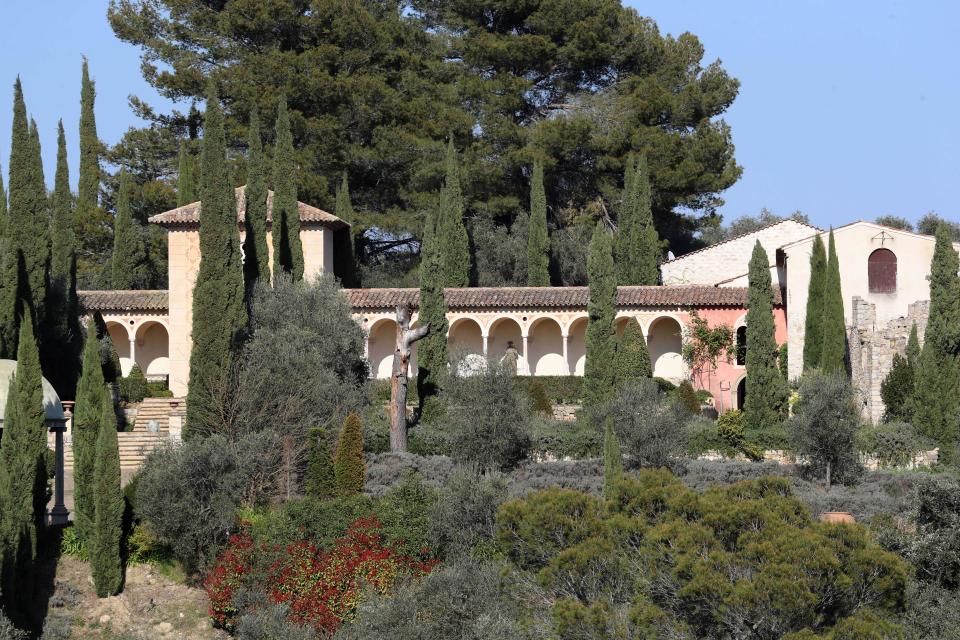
(824, 426)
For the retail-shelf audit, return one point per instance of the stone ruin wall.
(872, 349)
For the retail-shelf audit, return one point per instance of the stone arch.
(503, 331)
(665, 342)
(153, 349)
(545, 343)
(381, 342)
(577, 345)
(465, 336)
(120, 336)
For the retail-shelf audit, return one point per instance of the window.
(741, 346)
(882, 271)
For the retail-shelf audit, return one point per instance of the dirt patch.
(150, 606)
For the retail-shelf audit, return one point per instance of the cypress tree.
(913, 347)
(285, 226)
(612, 459)
(91, 222)
(598, 374)
(29, 222)
(935, 403)
(130, 266)
(686, 397)
(63, 253)
(8, 284)
(106, 564)
(897, 390)
(186, 191)
(87, 414)
(432, 349)
(452, 243)
(834, 339)
(813, 326)
(538, 239)
(344, 210)
(219, 314)
(348, 465)
(320, 478)
(638, 245)
(766, 391)
(23, 453)
(632, 359)
(256, 264)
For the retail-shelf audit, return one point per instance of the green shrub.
(72, 545)
(894, 444)
(559, 389)
(319, 480)
(561, 439)
(703, 396)
(158, 390)
(464, 515)
(824, 424)
(687, 397)
(348, 463)
(133, 388)
(539, 401)
(731, 428)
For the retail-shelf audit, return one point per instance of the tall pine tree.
(638, 245)
(766, 390)
(936, 404)
(91, 222)
(130, 265)
(285, 225)
(452, 242)
(598, 374)
(538, 238)
(87, 415)
(219, 313)
(106, 564)
(813, 329)
(186, 190)
(256, 264)
(833, 351)
(432, 349)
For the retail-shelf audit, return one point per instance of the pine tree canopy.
(813, 332)
(937, 375)
(598, 374)
(638, 245)
(538, 238)
(452, 242)
(395, 82)
(130, 268)
(766, 392)
(256, 263)
(285, 226)
(833, 352)
(219, 312)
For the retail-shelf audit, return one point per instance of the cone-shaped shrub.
(813, 326)
(687, 397)
(632, 359)
(598, 374)
(106, 564)
(348, 465)
(538, 238)
(87, 414)
(320, 481)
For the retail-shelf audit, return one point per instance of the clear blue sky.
(846, 110)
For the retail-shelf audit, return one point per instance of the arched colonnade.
(547, 344)
(144, 341)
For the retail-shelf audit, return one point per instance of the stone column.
(485, 340)
(526, 357)
(68, 414)
(59, 514)
(566, 351)
(133, 352)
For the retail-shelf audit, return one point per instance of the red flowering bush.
(321, 587)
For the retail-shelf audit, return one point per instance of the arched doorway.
(577, 346)
(741, 393)
(665, 342)
(503, 333)
(121, 342)
(380, 346)
(545, 343)
(153, 350)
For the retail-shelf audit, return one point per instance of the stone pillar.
(566, 351)
(177, 414)
(526, 358)
(133, 353)
(68, 414)
(485, 340)
(59, 514)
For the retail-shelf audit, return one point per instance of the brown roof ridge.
(189, 214)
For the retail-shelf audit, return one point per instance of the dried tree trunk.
(398, 382)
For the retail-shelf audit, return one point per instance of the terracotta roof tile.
(553, 297)
(142, 300)
(190, 213)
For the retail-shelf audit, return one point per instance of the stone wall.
(872, 348)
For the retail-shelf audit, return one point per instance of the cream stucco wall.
(855, 242)
(183, 252)
(726, 260)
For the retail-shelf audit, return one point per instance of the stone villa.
(884, 282)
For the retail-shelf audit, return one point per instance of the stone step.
(133, 448)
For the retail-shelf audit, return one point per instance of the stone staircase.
(137, 443)
(152, 409)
